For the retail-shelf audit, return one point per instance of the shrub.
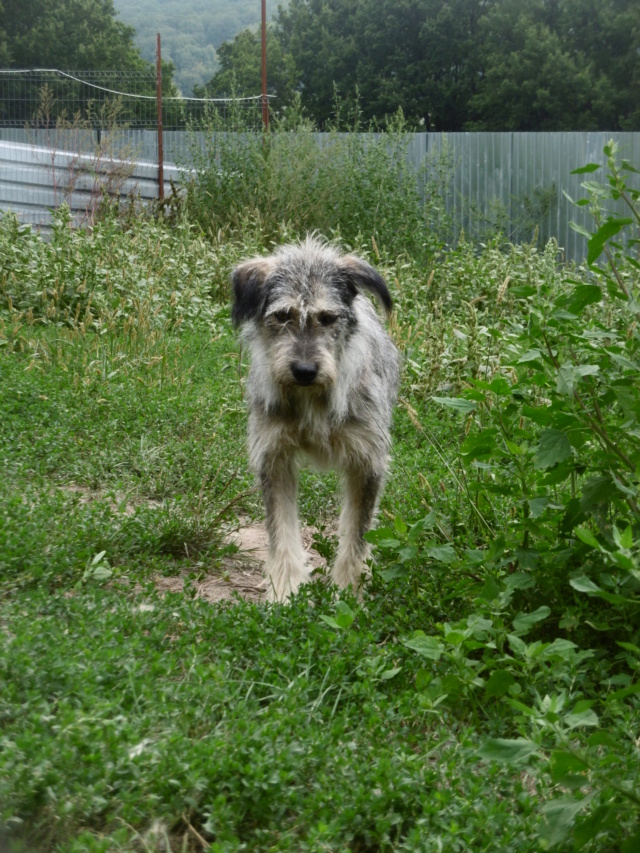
(358, 186)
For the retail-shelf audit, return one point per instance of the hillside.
(191, 31)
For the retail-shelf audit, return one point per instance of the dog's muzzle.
(304, 372)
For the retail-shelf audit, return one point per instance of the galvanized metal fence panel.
(34, 180)
(511, 182)
(518, 181)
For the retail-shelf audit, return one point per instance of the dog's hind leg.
(286, 567)
(361, 490)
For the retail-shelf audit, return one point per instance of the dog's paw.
(283, 579)
(351, 573)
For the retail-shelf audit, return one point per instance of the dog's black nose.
(304, 372)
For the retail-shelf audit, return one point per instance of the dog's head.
(302, 304)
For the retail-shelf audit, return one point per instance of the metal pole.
(159, 97)
(265, 101)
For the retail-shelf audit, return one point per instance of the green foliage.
(154, 280)
(240, 73)
(284, 184)
(69, 34)
(191, 31)
(463, 65)
(486, 687)
(548, 461)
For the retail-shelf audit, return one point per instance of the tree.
(4, 44)
(78, 34)
(455, 65)
(548, 66)
(240, 71)
(607, 32)
(529, 80)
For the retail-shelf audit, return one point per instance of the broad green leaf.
(579, 229)
(329, 620)
(410, 552)
(629, 647)
(390, 673)
(500, 386)
(587, 369)
(583, 295)
(393, 573)
(619, 695)
(566, 380)
(626, 166)
(623, 538)
(420, 526)
(457, 403)
(524, 622)
(603, 739)
(101, 573)
(518, 646)
(516, 449)
(583, 170)
(583, 584)
(553, 447)
(499, 683)
(399, 525)
(443, 553)
(519, 580)
(567, 769)
(537, 506)
(559, 819)
(343, 619)
(595, 188)
(606, 231)
(587, 537)
(578, 719)
(629, 400)
(506, 750)
(530, 355)
(382, 534)
(427, 647)
(560, 647)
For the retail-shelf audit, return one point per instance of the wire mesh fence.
(49, 98)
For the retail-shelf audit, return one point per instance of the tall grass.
(356, 186)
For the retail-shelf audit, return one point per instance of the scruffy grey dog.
(322, 386)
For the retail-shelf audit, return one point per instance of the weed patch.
(483, 696)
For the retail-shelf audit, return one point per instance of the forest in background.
(463, 65)
(191, 31)
(477, 65)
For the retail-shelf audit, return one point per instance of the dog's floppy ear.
(363, 276)
(249, 290)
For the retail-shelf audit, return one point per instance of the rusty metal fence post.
(159, 97)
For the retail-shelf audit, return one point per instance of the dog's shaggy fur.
(322, 386)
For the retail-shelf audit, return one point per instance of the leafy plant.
(283, 184)
(549, 460)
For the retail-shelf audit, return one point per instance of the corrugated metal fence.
(36, 179)
(515, 181)
(518, 181)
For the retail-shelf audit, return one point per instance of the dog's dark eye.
(282, 316)
(325, 318)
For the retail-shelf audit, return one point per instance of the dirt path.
(242, 573)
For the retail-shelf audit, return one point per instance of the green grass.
(263, 728)
(484, 694)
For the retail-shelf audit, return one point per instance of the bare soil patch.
(242, 573)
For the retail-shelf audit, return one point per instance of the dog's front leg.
(361, 490)
(286, 568)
